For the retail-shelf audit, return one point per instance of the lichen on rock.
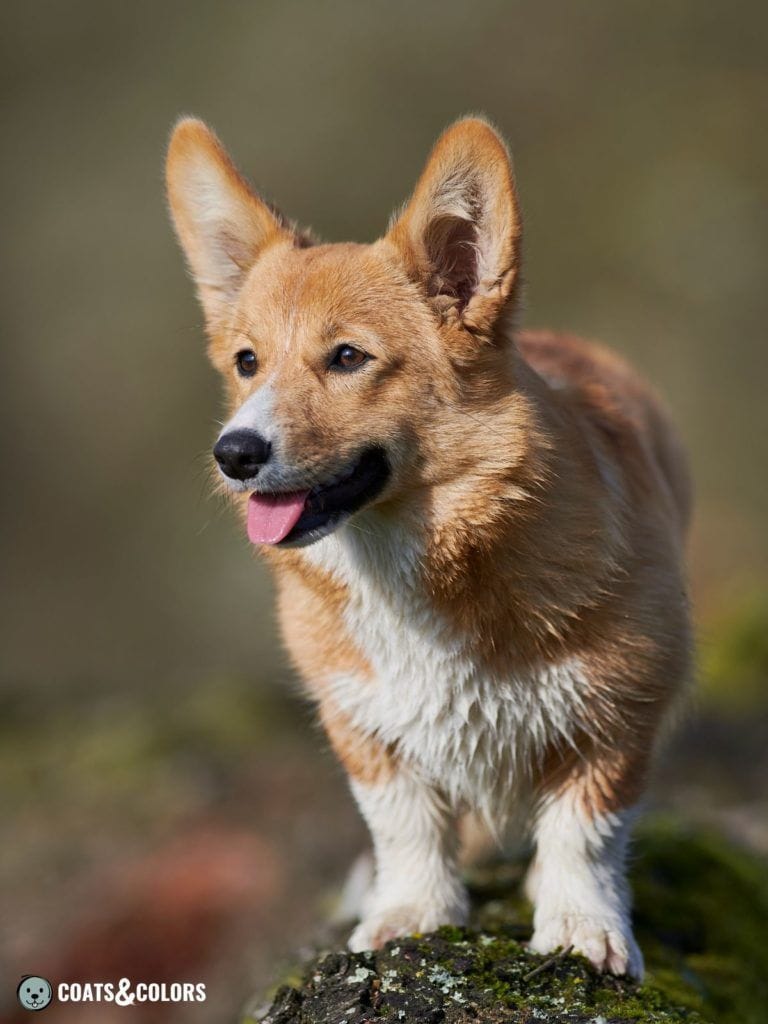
(702, 908)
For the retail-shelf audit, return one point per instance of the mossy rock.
(702, 920)
(701, 914)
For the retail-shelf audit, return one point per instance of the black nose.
(241, 453)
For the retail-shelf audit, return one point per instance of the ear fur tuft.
(459, 234)
(222, 225)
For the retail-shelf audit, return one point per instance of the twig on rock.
(548, 963)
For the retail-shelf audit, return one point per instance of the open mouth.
(305, 515)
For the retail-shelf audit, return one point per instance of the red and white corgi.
(476, 533)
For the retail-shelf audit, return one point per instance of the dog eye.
(246, 362)
(346, 357)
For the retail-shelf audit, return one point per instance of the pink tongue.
(271, 517)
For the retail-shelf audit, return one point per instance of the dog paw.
(378, 928)
(609, 945)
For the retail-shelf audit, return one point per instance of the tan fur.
(364, 758)
(538, 472)
(311, 608)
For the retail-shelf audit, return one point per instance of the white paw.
(606, 942)
(394, 922)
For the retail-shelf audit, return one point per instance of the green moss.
(734, 653)
(702, 919)
(702, 908)
(456, 976)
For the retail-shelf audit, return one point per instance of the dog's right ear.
(222, 225)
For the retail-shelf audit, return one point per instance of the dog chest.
(477, 734)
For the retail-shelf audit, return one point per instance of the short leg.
(417, 886)
(578, 879)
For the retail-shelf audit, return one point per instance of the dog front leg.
(415, 842)
(578, 878)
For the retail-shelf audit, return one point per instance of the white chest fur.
(474, 733)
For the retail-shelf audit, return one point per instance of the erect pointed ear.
(221, 224)
(459, 234)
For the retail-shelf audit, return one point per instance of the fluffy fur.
(506, 624)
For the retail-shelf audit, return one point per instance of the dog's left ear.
(459, 234)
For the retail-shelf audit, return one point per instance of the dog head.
(340, 361)
(34, 993)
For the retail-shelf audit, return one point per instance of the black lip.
(337, 501)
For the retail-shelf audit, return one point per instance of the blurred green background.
(139, 660)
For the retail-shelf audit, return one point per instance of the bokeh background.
(169, 809)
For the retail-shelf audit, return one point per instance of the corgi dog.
(476, 532)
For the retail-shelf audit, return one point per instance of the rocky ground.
(702, 908)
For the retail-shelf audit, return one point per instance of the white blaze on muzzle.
(256, 413)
